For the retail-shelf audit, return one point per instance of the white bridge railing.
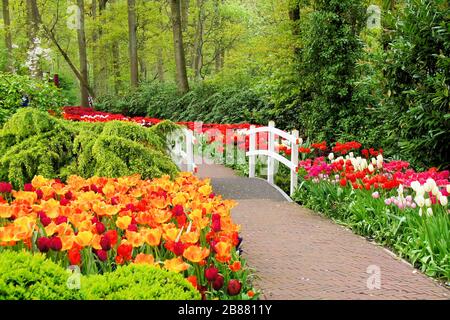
(273, 135)
(182, 152)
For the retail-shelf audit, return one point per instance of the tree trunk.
(198, 45)
(8, 39)
(132, 44)
(294, 16)
(180, 60)
(116, 66)
(219, 54)
(83, 56)
(184, 14)
(160, 65)
(33, 20)
(94, 47)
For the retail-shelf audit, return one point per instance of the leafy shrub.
(417, 72)
(138, 282)
(24, 276)
(208, 102)
(35, 143)
(42, 95)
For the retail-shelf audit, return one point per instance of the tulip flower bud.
(420, 200)
(374, 161)
(371, 168)
(428, 202)
(435, 190)
(429, 212)
(420, 191)
(448, 188)
(420, 212)
(427, 186)
(400, 190)
(415, 185)
(331, 156)
(443, 200)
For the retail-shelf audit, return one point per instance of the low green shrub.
(41, 95)
(24, 276)
(138, 282)
(34, 143)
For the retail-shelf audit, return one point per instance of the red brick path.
(297, 254)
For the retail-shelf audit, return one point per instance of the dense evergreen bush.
(41, 95)
(34, 143)
(138, 282)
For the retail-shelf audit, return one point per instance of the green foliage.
(24, 276)
(138, 282)
(417, 72)
(42, 95)
(208, 102)
(330, 48)
(27, 276)
(35, 143)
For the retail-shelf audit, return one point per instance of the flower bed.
(101, 223)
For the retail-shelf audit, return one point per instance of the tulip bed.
(102, 223)
(397, 206)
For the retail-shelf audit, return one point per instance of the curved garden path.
(298, 254)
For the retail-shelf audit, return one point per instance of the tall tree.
(82, 55)
(198, 43)
(132, 43)
(8, 39)
(180, 60)
(33, 21)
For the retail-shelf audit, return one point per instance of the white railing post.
(189, 150)
(294, 160)
(252, 158)
(271, 149)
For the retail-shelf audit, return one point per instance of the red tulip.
(43, 244)
(55, 243)
(105, 243)
(211, 273)
(102, 255)
(218, 283)
(234, 287)
(100, 227)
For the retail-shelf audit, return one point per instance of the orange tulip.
(235, 266)
(196, 254)
(143, 258)
(123, 222)
(190, 237)
(153, 237)
(176, 265)
(223, 250)
(84, 238)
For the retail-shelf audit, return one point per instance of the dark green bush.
(138, 282)
(24, 276)
(42, 95)
(208, 102)
(34, 143)
(417, 71)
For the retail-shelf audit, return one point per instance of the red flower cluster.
(322, 146)
(344, 148)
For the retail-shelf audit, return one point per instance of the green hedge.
(138, 282)
(34, 143)
(27, 277)
(24, 276)
(42, 95)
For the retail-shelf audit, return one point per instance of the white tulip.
(420, 200)
(427, 186)
(374, 161)
(351, 154)
(420, 190)
(443, 201)
(380, 158)
(429, 211)
(331, 156)
(400, 190)
(448, 188)
(431, 182)
(371, 168)
(415, 185)
(420, 212)
(435, 190)
(428, 202)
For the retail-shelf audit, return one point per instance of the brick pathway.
(298, 254)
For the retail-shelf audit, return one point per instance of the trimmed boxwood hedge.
(138, 282)
(27, 276)
(24, 276)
